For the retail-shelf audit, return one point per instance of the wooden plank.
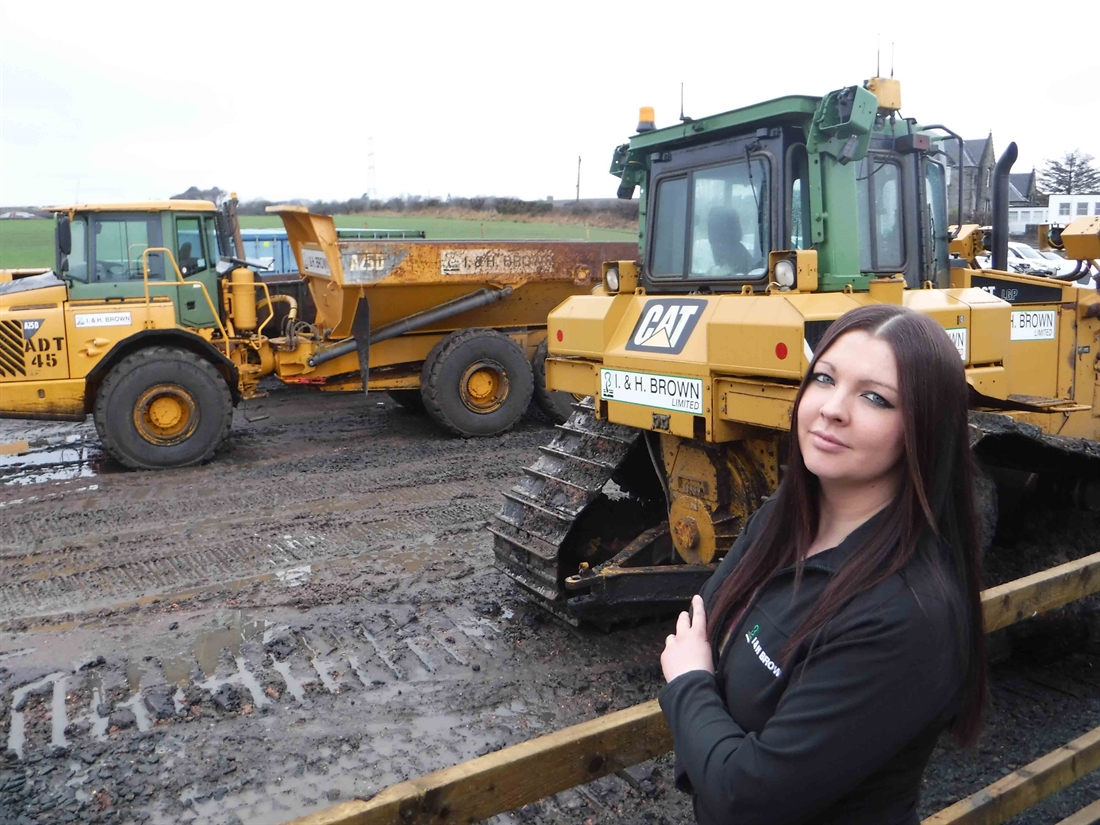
(1088, 815)
(1023, 598)
(504, 780)
(532, 770)
(1023, 788)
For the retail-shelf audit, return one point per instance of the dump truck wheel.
(557, 406)
(476, 382)
(163, 407)
(409, 399)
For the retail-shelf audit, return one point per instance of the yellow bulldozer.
(153, 321)
(758, 228)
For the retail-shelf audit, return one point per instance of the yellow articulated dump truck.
(154, 322)
(759, 227)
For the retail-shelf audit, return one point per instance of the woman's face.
(849, 424)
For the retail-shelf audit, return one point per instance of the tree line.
(516, 207)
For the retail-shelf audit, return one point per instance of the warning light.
(560, 336)
(780, 350)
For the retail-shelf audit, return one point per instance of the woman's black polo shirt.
(841, 736)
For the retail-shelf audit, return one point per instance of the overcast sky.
(103, 101)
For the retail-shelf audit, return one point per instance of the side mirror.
(64, 235)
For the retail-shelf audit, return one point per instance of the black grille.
(11, 349)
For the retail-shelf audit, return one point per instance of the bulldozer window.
(798, 208)
(668, 234)
(190, 253)
(730, 221)
(881, 241)
(119, 244)
(729, 213)
(935, 195)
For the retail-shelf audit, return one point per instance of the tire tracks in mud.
(289, 492)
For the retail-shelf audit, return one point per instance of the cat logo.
(665, 325)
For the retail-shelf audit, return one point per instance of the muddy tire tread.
(544, 398)
(430, 378)
(141, 358)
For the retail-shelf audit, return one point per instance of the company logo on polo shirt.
(665, 325)
(764, 658)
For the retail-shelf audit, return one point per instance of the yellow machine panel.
(94, 327)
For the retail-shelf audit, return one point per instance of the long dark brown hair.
(932, 519)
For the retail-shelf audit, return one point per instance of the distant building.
(18, 215)
(978, 161)
(1061, 209)
(1027, 206)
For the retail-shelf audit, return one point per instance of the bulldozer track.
(532, 530)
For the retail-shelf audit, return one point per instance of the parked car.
(1064, 267)
(1029, 260)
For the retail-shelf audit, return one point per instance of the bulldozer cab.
(841, 174)
(109, 248)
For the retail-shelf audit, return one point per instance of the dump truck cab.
(109, 246)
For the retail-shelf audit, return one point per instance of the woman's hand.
(688, 648)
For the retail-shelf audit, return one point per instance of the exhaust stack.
(1000, 207)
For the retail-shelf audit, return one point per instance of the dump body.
(402, 278)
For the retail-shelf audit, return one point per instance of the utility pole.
(578, 178)
(372, 184)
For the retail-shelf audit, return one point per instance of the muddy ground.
(315, 615)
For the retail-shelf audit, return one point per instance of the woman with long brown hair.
(842, 633)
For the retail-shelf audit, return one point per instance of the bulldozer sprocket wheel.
(536, 531)
(555, 405)
(476, 382)
(163, 407)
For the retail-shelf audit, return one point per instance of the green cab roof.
(792, 107)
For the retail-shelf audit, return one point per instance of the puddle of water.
(134, 674)
(207, 648)
(293, 684)
(412, 562)
(295, 576)
(56, 463)
(99, 723)
(25, 651)
(17, 733)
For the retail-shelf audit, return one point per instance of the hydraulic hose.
(292, 312)
(480, 298)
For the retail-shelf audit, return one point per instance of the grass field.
(30, 243)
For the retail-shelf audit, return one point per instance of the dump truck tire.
(476, 382)
(411, 400)
(163, 407)
(557, 406)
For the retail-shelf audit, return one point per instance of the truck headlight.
(784, 273)
(611, 279)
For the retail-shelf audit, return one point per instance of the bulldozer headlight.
(611, 279)
(784, 273)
